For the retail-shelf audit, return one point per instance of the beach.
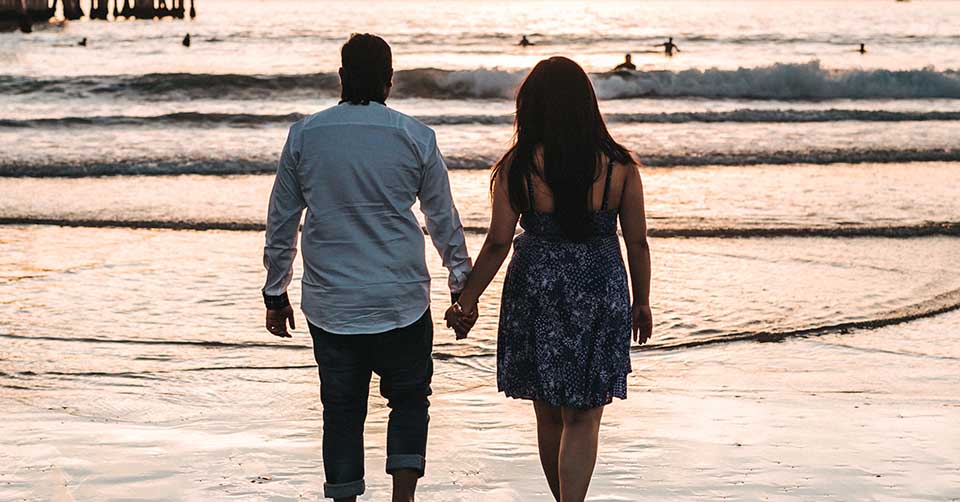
(801, 200)
(783, 421)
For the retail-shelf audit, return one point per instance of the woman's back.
(543, 196)
(539, 219)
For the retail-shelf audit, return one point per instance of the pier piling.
(99, 9)
(72, 10)
(23, 14)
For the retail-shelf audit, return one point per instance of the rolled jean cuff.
(413, 461)
(344, 490)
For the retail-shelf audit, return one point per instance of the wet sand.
(867, 415)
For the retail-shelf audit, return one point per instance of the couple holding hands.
(566, 318)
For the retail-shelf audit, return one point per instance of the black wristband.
(277, 302)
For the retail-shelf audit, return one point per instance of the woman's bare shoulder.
(628, 169)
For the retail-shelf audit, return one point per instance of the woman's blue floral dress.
(564, 335)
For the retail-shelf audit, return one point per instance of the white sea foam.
(807, 81)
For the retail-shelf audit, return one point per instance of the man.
(668, 47)
(358, 168)
(626, 65)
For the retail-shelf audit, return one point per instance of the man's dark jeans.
(403, 360)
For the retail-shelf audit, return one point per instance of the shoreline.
(853, 417)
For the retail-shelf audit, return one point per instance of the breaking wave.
(806, 81)
(196, 119)
(926, 229)
(932, 307)
(221, 166)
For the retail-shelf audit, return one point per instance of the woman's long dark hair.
(557, 111)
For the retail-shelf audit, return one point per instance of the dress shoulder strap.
(606, 186)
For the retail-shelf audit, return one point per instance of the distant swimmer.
(627, 64)
(668, 47)
(186, 40)
(862, 49)
(525, 43)
(82, 43)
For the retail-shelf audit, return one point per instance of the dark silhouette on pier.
(627, 64)
(525, 43)
(668, 47)
(24, 13)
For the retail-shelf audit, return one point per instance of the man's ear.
(390, 78)
(340, 72)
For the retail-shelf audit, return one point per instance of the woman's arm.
(496, 247)
(633, 221)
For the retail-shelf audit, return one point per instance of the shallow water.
(737, 422)
(729, 199)
(156, 304)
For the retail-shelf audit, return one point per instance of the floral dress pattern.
(564, 335)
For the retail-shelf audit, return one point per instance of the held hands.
(277, 321)
(642, 323)
(461, 321)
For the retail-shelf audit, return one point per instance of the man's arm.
(283, 225)
(443, 220)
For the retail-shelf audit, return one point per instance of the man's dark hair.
(366, 69)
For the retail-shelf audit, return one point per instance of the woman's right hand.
(642, 323)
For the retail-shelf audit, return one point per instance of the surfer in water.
(524, 42)
(668, 47)
(862, 49)
(627, 64)
(82, 43)
(186, 40)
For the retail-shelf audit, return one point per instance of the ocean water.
(755, 83)
(773, 152)
(794, 187)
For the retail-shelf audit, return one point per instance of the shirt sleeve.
(442, 218)
(283, 219)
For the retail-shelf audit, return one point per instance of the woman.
(566, 318)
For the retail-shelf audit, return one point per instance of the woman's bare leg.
(578, 451)
(549, 432)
